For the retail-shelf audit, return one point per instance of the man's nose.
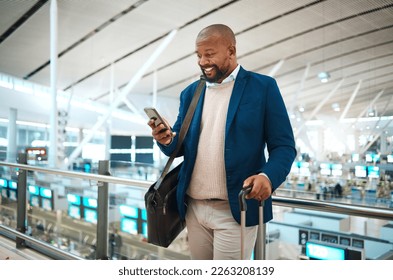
(203, 61)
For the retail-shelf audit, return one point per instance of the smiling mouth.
(208, 71)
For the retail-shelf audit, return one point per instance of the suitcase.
(261, 237)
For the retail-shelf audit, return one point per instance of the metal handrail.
(87, 176)
(58, 252)
(341, 208)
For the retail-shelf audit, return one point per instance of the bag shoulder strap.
(183, 130)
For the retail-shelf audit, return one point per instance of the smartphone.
(153, 114)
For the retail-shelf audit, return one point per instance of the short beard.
(217, 77)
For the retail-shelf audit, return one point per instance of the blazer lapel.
(234, 102)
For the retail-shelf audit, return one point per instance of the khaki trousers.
(213, 233)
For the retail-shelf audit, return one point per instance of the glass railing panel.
(291, 229)
(8, 195)
(128, 216)
(62, 211)
(373, 193)
(134, 170)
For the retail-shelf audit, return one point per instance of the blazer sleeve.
(185, 100)
(279, 138)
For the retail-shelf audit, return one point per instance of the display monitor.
(314, 235)
(36, 153)
(358, 243)
(372, 157)
(144, 158)
(90, 215)
(360, 171)
(346, 241)
(47, 193)
(325, 169)
(144, 142)
(355, 157)
(129, 225)
(337, 169)
(369, 158)
(46, 203)
(12, 194)
(373, 171)
(337, 173)
(304, 169)
(35, 200)
(90, 202)
(143, 214)
(12, 185)
(34, 190)
(87, 167)
(129, 211)
(389, 158)
(144, 229)
(324, 251)
(120, 142)
(74, 211)
(329, 238)
(120, 157)
(3, 183)
(74, 199)
(354, 254)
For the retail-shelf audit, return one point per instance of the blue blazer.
(257, 117)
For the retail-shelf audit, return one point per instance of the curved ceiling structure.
(103, 45)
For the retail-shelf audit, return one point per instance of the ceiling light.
(336, 107)
(324, 77)
(371, 113)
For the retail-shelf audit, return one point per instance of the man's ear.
(232, 50)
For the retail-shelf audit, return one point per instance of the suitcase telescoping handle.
(261, 238)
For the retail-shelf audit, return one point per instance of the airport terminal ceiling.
(103, 45)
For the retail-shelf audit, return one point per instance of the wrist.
(267, 177)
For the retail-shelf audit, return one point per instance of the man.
(238, 114)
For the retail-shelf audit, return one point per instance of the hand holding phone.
(165, 135)
(153, 114)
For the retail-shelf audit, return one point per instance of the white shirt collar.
(230, 78)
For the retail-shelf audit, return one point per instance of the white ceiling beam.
(275, 68)
(369, 105)
(132, 107)
(124, 92)
(319, 106)
(355, 92)
(375, 138)
(300, 89)
(383, 112)
(155, 89)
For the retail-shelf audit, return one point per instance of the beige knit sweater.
(208, 178)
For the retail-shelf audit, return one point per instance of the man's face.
(215, 57)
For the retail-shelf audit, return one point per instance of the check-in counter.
(386, 232)
(322, 221)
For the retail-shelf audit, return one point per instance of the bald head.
(216, 50)
(220, 31)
